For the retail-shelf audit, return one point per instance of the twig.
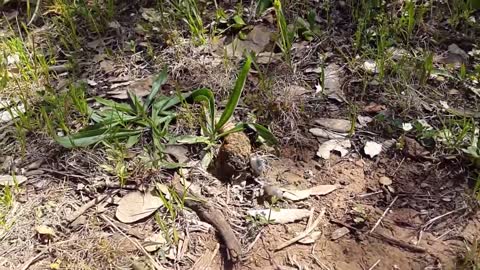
(85, 207)
(398, 243)
(384, 213)
(214, 253)
(374, 265)
(369, 194)
(431, 221)
(28, 263)
(385, 238)
(135, 243)
(304, 233)
(209, 213)
(254, 241)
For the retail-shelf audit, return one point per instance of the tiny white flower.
(407, 126)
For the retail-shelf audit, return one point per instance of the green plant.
(213, 129)
(190, 13)
(471, 258)
(117, 155)
(307, 29)
(286, 34)
(127, 121)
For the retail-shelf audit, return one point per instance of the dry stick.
(384, 213)
(254, 241)
(431, 221)
(398, 243)
(214, 253)
(28, 263)
(85, 207)
(135, 243)
(385, 238)
(304, 233)
(207, 211)
(374, 265)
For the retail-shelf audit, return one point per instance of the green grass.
(286, 34)
(471, 257)
(189, 12)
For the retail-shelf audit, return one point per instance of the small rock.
(258, 165)
(340, 232)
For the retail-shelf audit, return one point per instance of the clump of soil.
(233, 157)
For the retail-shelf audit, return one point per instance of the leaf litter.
(137, 205)
(337, 145)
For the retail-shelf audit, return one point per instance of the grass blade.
(235, 96)
(206, 95)
(114, 105)
(92, 136)
(264, 133)
(157, 83)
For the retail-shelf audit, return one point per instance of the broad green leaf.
(93, 135)
(114, 105)
(206, 95)
(164, 103)
(264, 133)
(235, 96)
(192, 139)
(263, 5)
(207, 159)
(136, 104)
(132, 140)
(237, 128)
(172, 165)
(157, 83)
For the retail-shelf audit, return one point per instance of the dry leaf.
(256, 41)
(333, 83)
(322, 133)
(154, 242)
(322, 190)
(296, 195)
(137, 205)
(294, 91)
(311, 238)
(338, 125)
(364, 120)
(140, 88)
(179, 152)
(281, 216)
(333, 145)
(268, 58)
(372, 149)
(107, 66)
(9, 180)
(374, 108)
(386, 181)
(340, 232)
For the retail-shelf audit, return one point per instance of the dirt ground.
(410, 206)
